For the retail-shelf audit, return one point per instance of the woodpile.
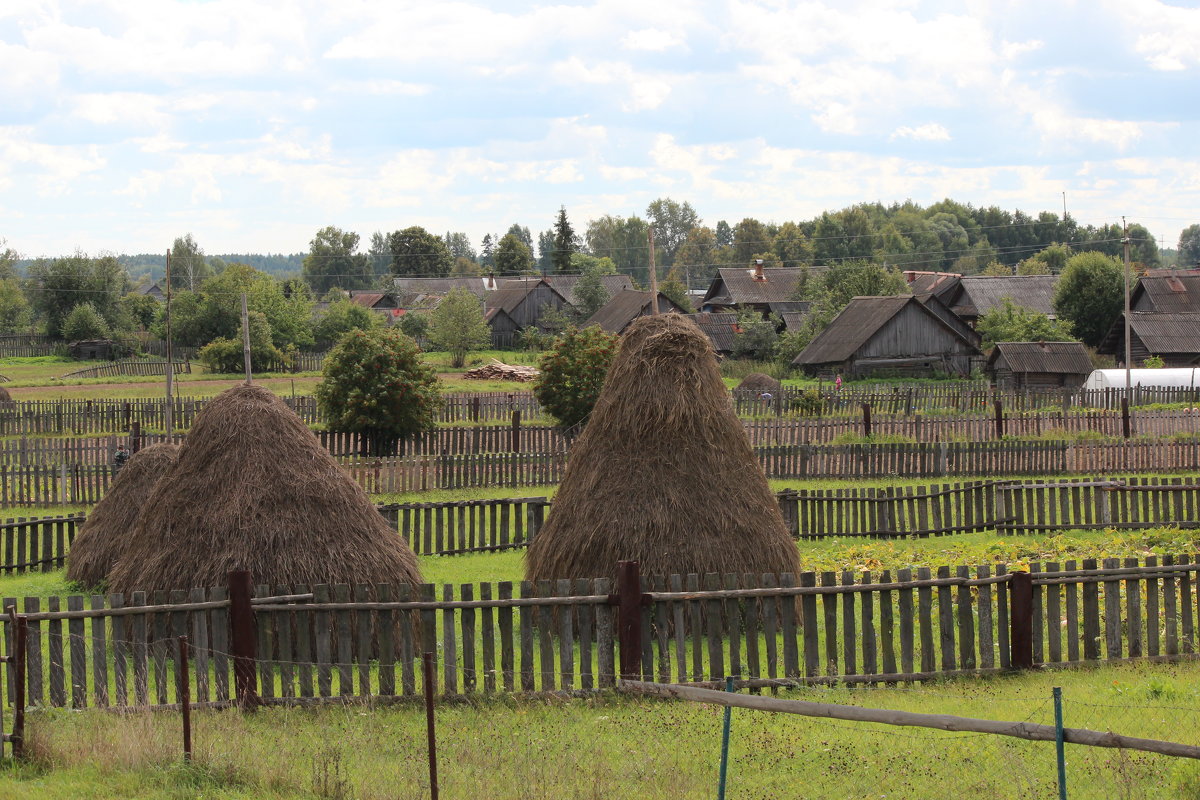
(499, 371)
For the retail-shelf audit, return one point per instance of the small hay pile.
(663, 473)
(253, 489)
(758, 383)
(109, 526)
(6, 400)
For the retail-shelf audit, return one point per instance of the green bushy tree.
(226, 355)
(1090, 294)
(375, 384)
(84, 322)
(1013, 323)
(573, 373)
(341, 317)
(458, 327)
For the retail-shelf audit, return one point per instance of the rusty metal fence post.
(244, 636)
(1020, 620)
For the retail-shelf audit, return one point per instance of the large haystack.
(758, 383)
(253, 489)
(109, 527)
(663, 473)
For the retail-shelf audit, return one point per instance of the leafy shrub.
(374, 383)
(573, 373)
(808, 403)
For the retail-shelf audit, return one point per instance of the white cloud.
(652, 40)
(929, 132)
(641, 92)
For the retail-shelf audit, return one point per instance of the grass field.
(611, 746)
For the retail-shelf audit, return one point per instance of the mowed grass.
(618, 745)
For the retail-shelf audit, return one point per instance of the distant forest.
(154, 264)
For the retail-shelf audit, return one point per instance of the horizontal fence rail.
(364, 642)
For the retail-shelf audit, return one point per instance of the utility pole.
(169, 416)
(1064, 207)
(1128, 362)
(246, 339)
(653, 275)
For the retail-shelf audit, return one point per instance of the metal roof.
(1166, 333)
(1170, 290)
(627, 306)
(983, 293)
(565, 284)
(737, 286)
(1060, 357)
(719, 328)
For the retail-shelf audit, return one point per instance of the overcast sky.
(126, 123)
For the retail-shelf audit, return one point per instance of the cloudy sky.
(252, 123)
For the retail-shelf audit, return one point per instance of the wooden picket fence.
(364, 642)
(131, 366)
(84, 483)
(468, 526)
(1007, 507)
(962, 397)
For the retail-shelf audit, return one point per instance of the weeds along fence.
(364, 642)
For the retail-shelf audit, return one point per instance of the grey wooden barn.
(1022, 365)
(898, 336)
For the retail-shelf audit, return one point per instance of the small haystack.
(253, 489)
(109, 527)
(663, 473)
(758, 383)
(6, 400)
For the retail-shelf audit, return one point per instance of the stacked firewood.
(499, 371)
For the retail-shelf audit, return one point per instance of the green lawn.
(611, 746)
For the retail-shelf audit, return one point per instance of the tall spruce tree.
(565, 241)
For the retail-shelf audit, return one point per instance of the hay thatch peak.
(663, 473)
(253, 489)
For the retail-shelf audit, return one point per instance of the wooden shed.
(1022, 365)
(895, 336)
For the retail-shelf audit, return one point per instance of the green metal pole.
(1058, 744)
(725, 743)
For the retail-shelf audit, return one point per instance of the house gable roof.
(719, 328)
(1058, 357)
(1169, 290)
(737, 285)
(511, 294)
(565, 285)
(627, 306)
(1160, 333)
(983, 293)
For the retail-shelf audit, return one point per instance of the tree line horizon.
(945, 236)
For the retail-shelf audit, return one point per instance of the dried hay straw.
(759, 382)
(109, 526)
(663, 473)
(253, 489)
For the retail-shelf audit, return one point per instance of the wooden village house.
(517, 306)
(1035, 365)
(763, 290)
(895, 336)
